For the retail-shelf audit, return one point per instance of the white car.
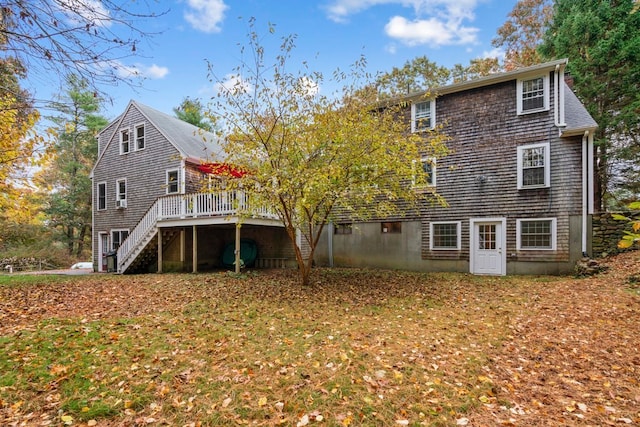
(82, 265)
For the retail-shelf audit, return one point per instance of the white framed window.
(533, 94)
(428, 169)
(121, 193)
(445, 235)
(173, 181)
(139, 135)
(423, 115)
(124, 141)
(534, 166)
(536, 234)
(117, 237)
(101, 196)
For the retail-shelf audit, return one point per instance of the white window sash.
(415, 118)
(552, 230)
(520, 90)
(458, 225)
(521, 168)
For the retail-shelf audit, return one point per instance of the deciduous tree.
(89, 38)
(20, 148)
(523, 32)
(418, 74)
(309, 154)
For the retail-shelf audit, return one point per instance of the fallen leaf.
(304, 420)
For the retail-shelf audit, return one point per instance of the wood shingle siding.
(479, 178)
(144, 171)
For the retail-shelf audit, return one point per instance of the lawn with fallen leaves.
(357, 348)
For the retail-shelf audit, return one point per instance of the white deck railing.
(184, 206)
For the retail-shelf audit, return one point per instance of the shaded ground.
(532, 351)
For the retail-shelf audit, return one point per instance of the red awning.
(222, 169)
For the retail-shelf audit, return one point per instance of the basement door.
(488, 246)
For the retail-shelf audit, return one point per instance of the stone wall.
(606, 234)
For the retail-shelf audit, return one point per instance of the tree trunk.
(81, 237)
(305, 273)
(70, 245)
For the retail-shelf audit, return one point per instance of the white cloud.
(308, 86)
(493, 53)
(436, 22)
(85, 11)
(234, 84)
(428, 32)
(137, 70)
(205, 15)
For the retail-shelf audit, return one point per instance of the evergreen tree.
(192, 111)
(602, 41)
(66, 177)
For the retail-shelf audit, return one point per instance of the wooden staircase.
(147, 259)
(140, 249)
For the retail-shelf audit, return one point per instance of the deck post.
(159, 250)
(237, 251)
(195, 248)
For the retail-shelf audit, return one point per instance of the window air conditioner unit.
(121, 204)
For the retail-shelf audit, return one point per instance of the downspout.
(183, 176)
(591, 172)
(330, 231)
(95, 241)
(585, 188)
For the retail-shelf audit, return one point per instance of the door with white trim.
(103, 249)
(488, 244)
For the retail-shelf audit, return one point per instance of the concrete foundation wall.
(367, 246)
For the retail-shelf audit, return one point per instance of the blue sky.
(330, 34)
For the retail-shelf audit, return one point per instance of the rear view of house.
(159, 204)
(518, 182)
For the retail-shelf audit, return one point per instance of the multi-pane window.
(487, 236)
(428, 170)
(124, 141)
(140, 137)
(173, 181)
(533, 94)
(422, 116)
(445, 235)
(533, 166)
(536, 233)
(102, 196)
(345, 228)
(121, 193)
(117, 237)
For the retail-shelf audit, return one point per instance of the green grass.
(360, 348)
(17, 280)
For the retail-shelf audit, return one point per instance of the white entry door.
(488, 246)
(103, 249)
